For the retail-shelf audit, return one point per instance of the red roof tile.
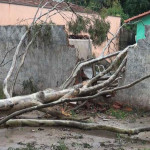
(51, 3)
(137, 17)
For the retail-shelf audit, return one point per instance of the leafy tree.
(135, 7)
(115, 10)
(96, 27)
(95, 5)
(78, 26)
(79, 2)
(98, 31)
(128, 7)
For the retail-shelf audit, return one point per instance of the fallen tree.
(67, 99)
(50, 95)
(85, 91)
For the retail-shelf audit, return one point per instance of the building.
(14, 12)
(142, 20)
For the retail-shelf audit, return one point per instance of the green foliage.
(84, 3)
(119, 114)
(96, 27)
(135, 7)
(78, 25)
(73, 113)
(123, 8)
(41, 30)
(95, 5)
(98, 31)
(115, 10)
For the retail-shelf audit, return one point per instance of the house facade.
(141, 20)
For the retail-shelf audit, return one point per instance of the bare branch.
(22, 62)
(109, 42)
(5, 85)
(79, 66)
(105, 83)
(6, 55)
(122, 53)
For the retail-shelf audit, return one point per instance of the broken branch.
(74, 124)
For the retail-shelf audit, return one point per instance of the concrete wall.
(12, 14)
(84, 48)
(47, 61)
(126, 38)
(138, 65)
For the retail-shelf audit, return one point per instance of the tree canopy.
(130, 6)
(123, 8)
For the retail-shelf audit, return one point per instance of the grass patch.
(61, 146)
(86, 145)
(119, 114)
(73, 113)
(74, 144)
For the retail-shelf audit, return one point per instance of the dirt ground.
(61, 138)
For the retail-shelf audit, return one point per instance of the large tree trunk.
(21, 102)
